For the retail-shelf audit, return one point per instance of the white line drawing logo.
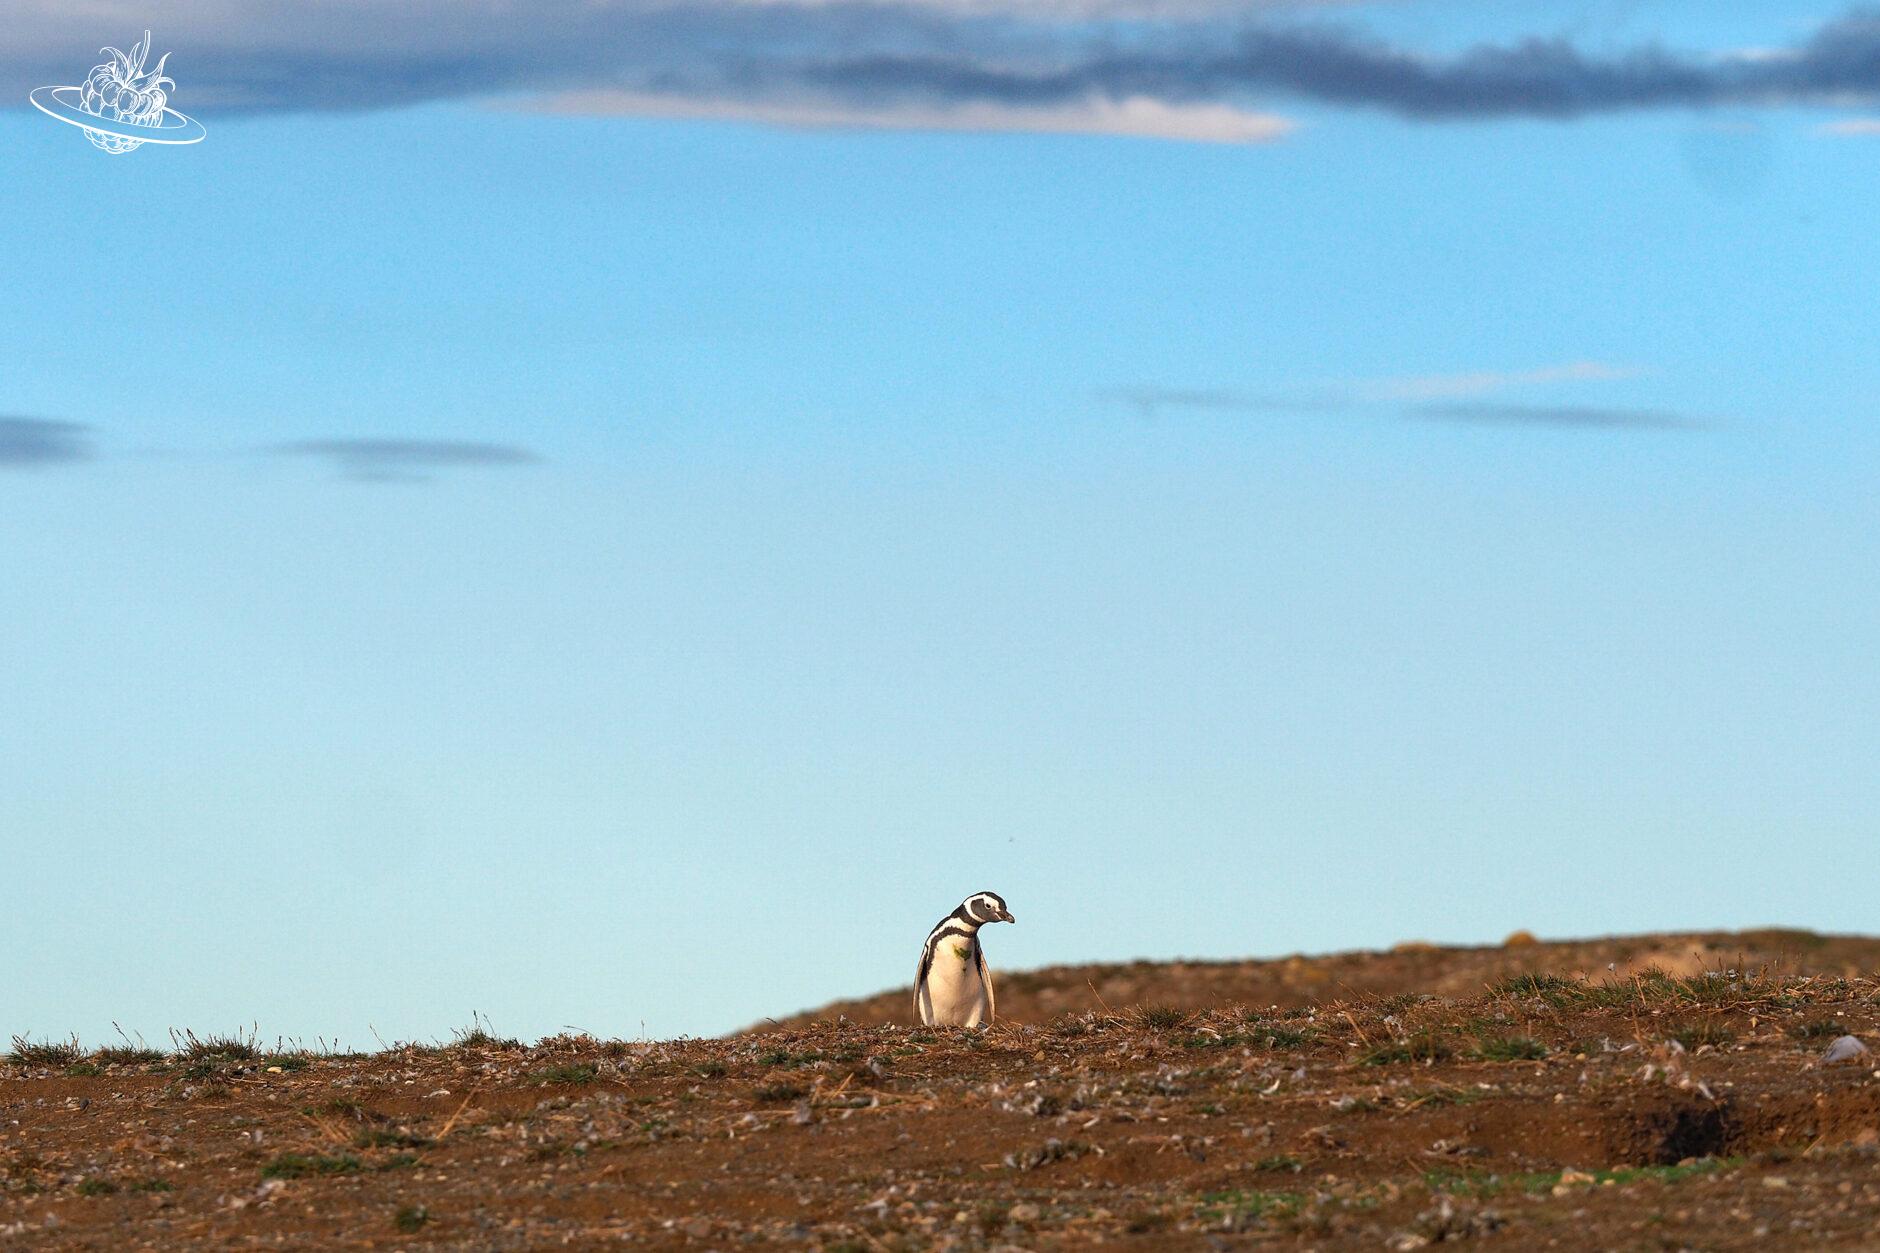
(121, 106)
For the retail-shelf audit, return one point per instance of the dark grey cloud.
(39, 442)
(1536, 77)
(1588, 417)
(271, 56)
(404, 460)
(275, 55)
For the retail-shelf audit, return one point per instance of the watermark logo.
(121, 105)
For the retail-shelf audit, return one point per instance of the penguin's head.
(983, 907)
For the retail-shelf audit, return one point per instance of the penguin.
(952, 987)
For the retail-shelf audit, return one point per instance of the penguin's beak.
(1007, 918)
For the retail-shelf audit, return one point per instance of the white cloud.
(1486, 382)
(1138, 116)
(1851, 126)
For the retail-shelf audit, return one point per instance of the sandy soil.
(1380, 1101)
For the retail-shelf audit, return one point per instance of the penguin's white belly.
(954, 994)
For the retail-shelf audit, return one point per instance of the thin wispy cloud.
(1213, 70)
(1487, 382)
(1138, 117)
(1585, 417)
(1150, 402)
(30, 442)
(1437, 397)
(405, 460)
(1428, 388)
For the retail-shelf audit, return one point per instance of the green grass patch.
(1509, 1048)
(57, 1054)
(479, 1036)
(311, 1165)
(1694, 1035)
(1485, 1184)
(1555, 989)
(570, 1076)
(411, 1218)
(1826, 1029)
(340, 1107)
(1248, 1205)
(1282, 1038)
(1258, 1035)
(1424, 1046)
(1161, 1017)
(127, 1055)
(92, 1185)
(227, 1048)
(1207, 1040)
(1648, 989)
(778, 1093)
(1783, 938)
(287, 1061)
(387, 1138)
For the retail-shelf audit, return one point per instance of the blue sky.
(620, 563)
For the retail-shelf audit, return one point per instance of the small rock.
(1846, 1049)
(1519, 939)
(1023, 1212)
(1775, 1181)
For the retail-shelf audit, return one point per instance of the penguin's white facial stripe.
(984, 907)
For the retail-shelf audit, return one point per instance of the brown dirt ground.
(1037, 996)
(1377, 1101)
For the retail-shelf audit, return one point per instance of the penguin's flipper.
(985, 981)
(920, 978)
